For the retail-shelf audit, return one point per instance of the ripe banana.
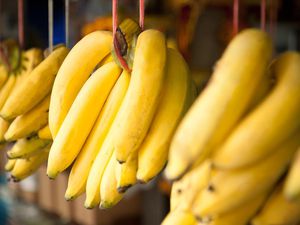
(278, 210)
(240, 215)
(85, 159)
(10, 164)
(81, 118)
(185, 190)
(29, 123)
(108, 187)
(231, 189)
(107, 59)
(126, 173)
(141, 100)
(26, 147)
(35, 87)
(26, 167)
(153, 152)
(73, 73)
(3, 128)
(3, 75)
(271, 123)
(292, 183)
(179, 217)
(6, 89)
(220, 106)
(45, 133)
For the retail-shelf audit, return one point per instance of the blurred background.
(200, 29)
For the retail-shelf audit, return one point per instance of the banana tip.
(123, 189)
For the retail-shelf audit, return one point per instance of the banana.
(141, 100)
(3, 75)
(108, 187)
(81, 118)
(6, 89)
(10, 164)
(26, 147)
(278, 210)
(35, 87)
(26, 167)
(271, 123)
(292, 182)
(107, 59)
(179, 217)
(126, 173)
(222, 103)
(153, 152)
(29, 123)
(3, 128)
(231, 189)
(83, 163)
(73, 73)
(45, 133)
(240, 215)
(185, 190)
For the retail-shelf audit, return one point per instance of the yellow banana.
(180, 217)
(126, 173)
(108, 187)
(240, 215)
(222, 103)
(153, 152)
(278, 210)
(271, 123)
(84, 161)
(185, 190)
(81, 118)
(35, 87)
(3, 75)
(45, 133)
(73, 73)
(107, 59)
(292, 182)
(10, 164)
(3, 128)
(29, 123)
(231, 189)
(140, 103)
(6, 89)
(26, 167)
(26, 147)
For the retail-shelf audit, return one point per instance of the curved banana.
(231, 189)
(6, 89)
(3, 128)
(141, 100)
(271, 123)
(35, 87)
(185, 190)
(126, 173)
(108, 187)
(29, 123)
(278, 210)
(292, 182)
(26, 147)
(153, 152)
(83, 163)
(81, 118)
(222, 103)
(26, 167)
(179, 217)
(10, 164)
(73, 73)
(45, 133)
(3, 75)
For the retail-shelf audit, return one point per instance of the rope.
(142, 14)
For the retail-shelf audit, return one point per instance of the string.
(114, 16)
(21, 23)
(235, 17)
(142, 14)
(263, 15)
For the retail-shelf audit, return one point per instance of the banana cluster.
(24, 109)
(112, 126)
(231, 158)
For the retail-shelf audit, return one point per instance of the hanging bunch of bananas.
(114, 125)
(24, 106)
(229, 156)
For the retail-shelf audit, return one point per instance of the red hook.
(263, 15)
(235, 17)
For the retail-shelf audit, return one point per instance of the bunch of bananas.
(24, 106)
(112, 125)
(230, 153)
